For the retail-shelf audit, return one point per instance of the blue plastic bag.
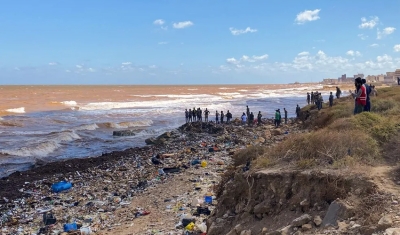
(61, 186)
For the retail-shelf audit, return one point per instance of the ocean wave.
(226, 88)
(121, 125)
(229, 93)
(69, 103)
(86, 127)
(16, 110)
(10, 123)
(42, 149)
(192, 89)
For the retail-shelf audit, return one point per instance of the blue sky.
(195, 42)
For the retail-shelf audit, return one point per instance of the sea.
(53, 123)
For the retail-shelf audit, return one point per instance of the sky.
(196, 41)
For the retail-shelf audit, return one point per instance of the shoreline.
(125, 174)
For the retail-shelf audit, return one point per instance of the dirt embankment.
(339, 176)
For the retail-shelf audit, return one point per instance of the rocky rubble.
(186, 164)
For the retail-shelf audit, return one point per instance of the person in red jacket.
(360, 97)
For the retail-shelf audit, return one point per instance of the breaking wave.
(42, 149)
(69, 103)
(16, 110)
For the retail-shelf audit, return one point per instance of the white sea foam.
(43, 148)
(69, 103)
(243, 90)
(86, 127)
(16, 110)
(226, 88)
(229, 93)
(192, 89)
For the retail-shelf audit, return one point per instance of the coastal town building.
(388, 78)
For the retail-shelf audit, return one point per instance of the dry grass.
(248, 154)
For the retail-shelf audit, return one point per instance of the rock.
(166, 135)
(385, 222)
(267, 134)
(274, 233)
(392, 231)
(317, 220)
(337, 210)
(301, 220)
(306, 227)
(368, 230)
(286, 230)
(150, 141)
(261, 140)
(264, 230)
(215, 229)
(276, 132)
(246, 232)
(124, 133)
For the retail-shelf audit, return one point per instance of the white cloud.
(152, 66)
(396, 48)
(353, 53)
(126, 63)
(162, 43)
(79, 66)
(159, 22)
(91, 70)
(374, 45)
(369, 23)
(241, 31)
(261, 57)
(232, 61)
(246, 58)
(67, 71)
(53, 63)
(384, 58)
(362, 36)
(183, 24)
(307, 15)
(386, 31)
(304, 53)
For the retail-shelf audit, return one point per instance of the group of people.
(193, 115)
(362, 95)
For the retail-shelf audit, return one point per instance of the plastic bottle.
(61, 186)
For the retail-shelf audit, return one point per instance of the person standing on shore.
(308, 98)
(320, 101)
(187, 115)
(277, 118)
(259, 116)
(285, 111)
(199, 115)
(190, 115)
(367, 107)
(251, 118)
(194, 114)
(244, 118)
(338, 92)
(247, 111)
(312, 97)
(216, 117)
(360, 96)
(222, 116)
(298, 110)
(228, 117)
(206, 112)
(331, 100)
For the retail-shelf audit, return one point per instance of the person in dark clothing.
(308, 98)
(199, 115)
(331, 100)
(251, 118)
(312, 97)
(367, 107)
(277, 118)
(228, 117)
(216, 117)
(190, 115)
(247, 110)
(187, 115)
(285, 112)
(222, 116)
(259, 116)
(194, 114)
(297, 111)
(338, 92)
(360, 96)
(206, 112)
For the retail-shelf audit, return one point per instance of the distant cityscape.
(388, 78)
